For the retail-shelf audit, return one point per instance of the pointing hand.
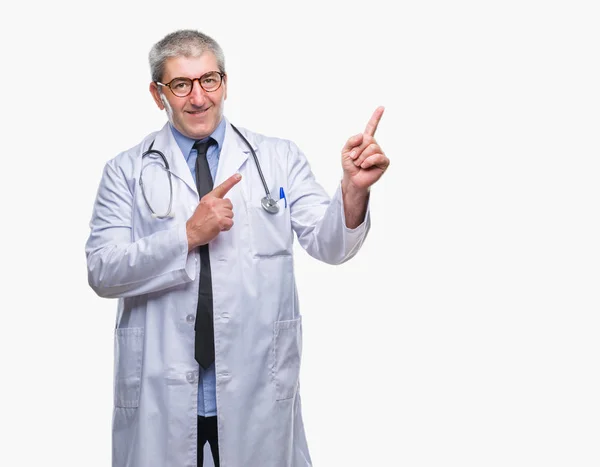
(363, 160)
(213, 214)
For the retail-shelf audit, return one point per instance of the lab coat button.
(190, 377)
(225, 317)
(190, 318)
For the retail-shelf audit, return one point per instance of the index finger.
(221, 190)
(372, 125)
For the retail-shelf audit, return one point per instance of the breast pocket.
(287, 352)
(271, 233)
(129, 348)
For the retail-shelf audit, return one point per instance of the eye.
(180, 84)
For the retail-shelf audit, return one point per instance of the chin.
(202, 131)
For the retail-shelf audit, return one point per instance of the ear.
(156, 95)
(225, 86)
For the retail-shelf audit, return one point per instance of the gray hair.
(182, 43)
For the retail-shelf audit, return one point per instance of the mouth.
(198, 112)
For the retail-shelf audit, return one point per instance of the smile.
(197, 112)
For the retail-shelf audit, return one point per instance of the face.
(198, 114)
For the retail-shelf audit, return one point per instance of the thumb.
(221, 190)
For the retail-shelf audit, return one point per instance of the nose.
(198, 95)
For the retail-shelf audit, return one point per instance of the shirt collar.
(185, 143)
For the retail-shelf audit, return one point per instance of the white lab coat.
(144, 262)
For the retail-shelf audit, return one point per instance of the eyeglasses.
(182, 87)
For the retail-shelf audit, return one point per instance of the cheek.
(219, 102)
(177, 107)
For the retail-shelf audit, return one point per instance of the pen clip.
(282, 196)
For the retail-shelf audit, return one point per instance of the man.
(208, 338)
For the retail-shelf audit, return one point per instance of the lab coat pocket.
(129, 347)
(287, 352)
(271, 233)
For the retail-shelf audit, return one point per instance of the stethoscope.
(267, 203)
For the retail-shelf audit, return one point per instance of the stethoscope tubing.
(260, 172)
(268, 203)
(168, 170)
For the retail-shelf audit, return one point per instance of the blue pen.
(282, 196)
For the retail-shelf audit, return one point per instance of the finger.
(225, 224)
(372, 125)
(352, 142)
(227, 185)
(366, 152)
(376, 160)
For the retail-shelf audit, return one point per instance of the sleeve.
(317, 219)
(117, 265)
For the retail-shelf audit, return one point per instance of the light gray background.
(465, 333)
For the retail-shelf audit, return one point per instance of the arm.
(333, 231)
(364, 163)
(317, 219)
(117, 265)
(355, 201)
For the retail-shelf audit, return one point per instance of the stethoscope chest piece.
(269, 205)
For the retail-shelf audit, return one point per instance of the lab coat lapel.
(166, 143)
(233, 155)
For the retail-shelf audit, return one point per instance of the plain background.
(465, 332)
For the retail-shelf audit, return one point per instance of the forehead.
(189, 67)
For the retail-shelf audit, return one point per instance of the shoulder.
(266, 143)
(127, 160)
